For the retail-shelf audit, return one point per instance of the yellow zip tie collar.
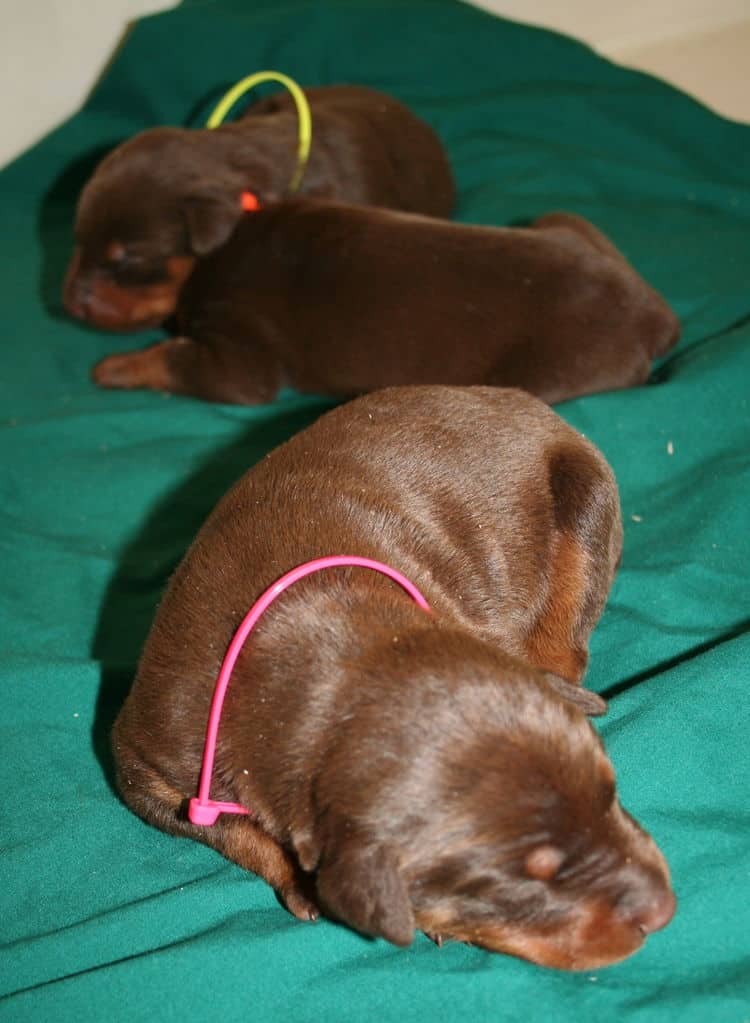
(304, 120)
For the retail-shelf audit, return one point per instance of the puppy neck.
(265, 161)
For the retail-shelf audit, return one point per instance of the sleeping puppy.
(341, 300)
(408, 769)
(170, 196)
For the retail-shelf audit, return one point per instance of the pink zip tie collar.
(203, 810)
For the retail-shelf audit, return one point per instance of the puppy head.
(494, 820)
(153, 207)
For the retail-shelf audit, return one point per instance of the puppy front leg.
(246, 844)
(181, 365)
(583, 558)
(157, 800)
(556, 642)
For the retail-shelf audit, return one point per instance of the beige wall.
(700, 46)
(51, 51)
(615, 26)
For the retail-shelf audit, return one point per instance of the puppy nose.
(77, 305)
(76, 298)
(76, 289)
(657, 913)
(650, 911)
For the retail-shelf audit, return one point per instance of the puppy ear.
(590, 703)
(362, 886)
(210, 220)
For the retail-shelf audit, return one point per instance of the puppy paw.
(299, 903)
(116, 371)
(148, 368)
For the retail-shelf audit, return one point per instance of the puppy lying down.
(169, 196)
(408, 769)
(341, 300)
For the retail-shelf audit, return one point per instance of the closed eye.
(116, 253)
(122, 257)
(133, 268)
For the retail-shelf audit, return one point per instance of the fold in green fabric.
(101, 492)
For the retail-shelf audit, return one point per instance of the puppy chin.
(558, 957)
(596, 934)
(105, 305)
(94, 297)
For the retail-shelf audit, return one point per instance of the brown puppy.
(169, 196)
(341, 300)
(408, 769)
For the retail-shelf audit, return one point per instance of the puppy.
(341, 300)
(170, 196)
(407, 769)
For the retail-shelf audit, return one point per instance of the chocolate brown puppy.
(407, 769)
(342, 300)
(169, 196)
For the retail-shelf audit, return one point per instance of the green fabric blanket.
(104, 918)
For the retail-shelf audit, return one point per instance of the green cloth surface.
(104, 918)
